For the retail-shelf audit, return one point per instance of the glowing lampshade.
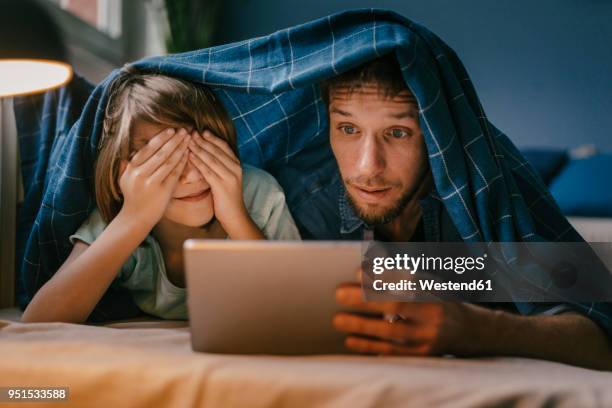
(21, 76)
(32, 53)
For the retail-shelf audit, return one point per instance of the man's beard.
(385, 217)
(392, 212)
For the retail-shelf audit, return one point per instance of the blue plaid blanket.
(269, 86)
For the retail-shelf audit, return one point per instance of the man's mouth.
(197, 196)
(371, 194)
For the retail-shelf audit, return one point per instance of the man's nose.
(370, 160)
(190, 174)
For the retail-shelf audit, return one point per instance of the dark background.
(543, 68)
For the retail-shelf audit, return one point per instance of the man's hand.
(422, 329)
(464, 329)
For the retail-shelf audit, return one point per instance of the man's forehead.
(402, 104)
(371, 93)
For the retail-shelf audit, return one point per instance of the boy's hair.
(383, 72)
(157, 99)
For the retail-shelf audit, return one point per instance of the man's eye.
(349, 130)
(399, 133)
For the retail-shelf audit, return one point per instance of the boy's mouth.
(200, 195)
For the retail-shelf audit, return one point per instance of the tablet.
(266, 297)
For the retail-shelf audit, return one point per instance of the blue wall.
(543, 68)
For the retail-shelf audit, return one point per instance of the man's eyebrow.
(339, 111)
(411, 113)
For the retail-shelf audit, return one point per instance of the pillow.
(593, 229)
(584, 187)
(547, 162)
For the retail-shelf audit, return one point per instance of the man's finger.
(379, 347)
(359, 274)
(402, 332)
(350, 295)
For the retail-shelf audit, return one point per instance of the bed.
(150, 363)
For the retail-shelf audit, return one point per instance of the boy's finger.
(122, 166)
(226, 155)
(220, 143)
(171, 163)
(211, 160)
(209, 174)
(217, 159)
(153, 145)
(177, 170)
(165, 153)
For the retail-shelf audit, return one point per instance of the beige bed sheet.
(147, 364)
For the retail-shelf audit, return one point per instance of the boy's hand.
(148, 180)
(221, 168)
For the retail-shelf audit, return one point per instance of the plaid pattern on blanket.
(269, 86)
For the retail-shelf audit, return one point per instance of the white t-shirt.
(144, 273)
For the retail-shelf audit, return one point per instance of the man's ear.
(427, 183)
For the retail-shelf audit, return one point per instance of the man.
(385, 192)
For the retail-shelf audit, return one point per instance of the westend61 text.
(432, 285)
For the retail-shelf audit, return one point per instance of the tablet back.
(272, 297)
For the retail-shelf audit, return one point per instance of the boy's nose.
(190, 174)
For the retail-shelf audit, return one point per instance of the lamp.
(32, 53)
(32, 59)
